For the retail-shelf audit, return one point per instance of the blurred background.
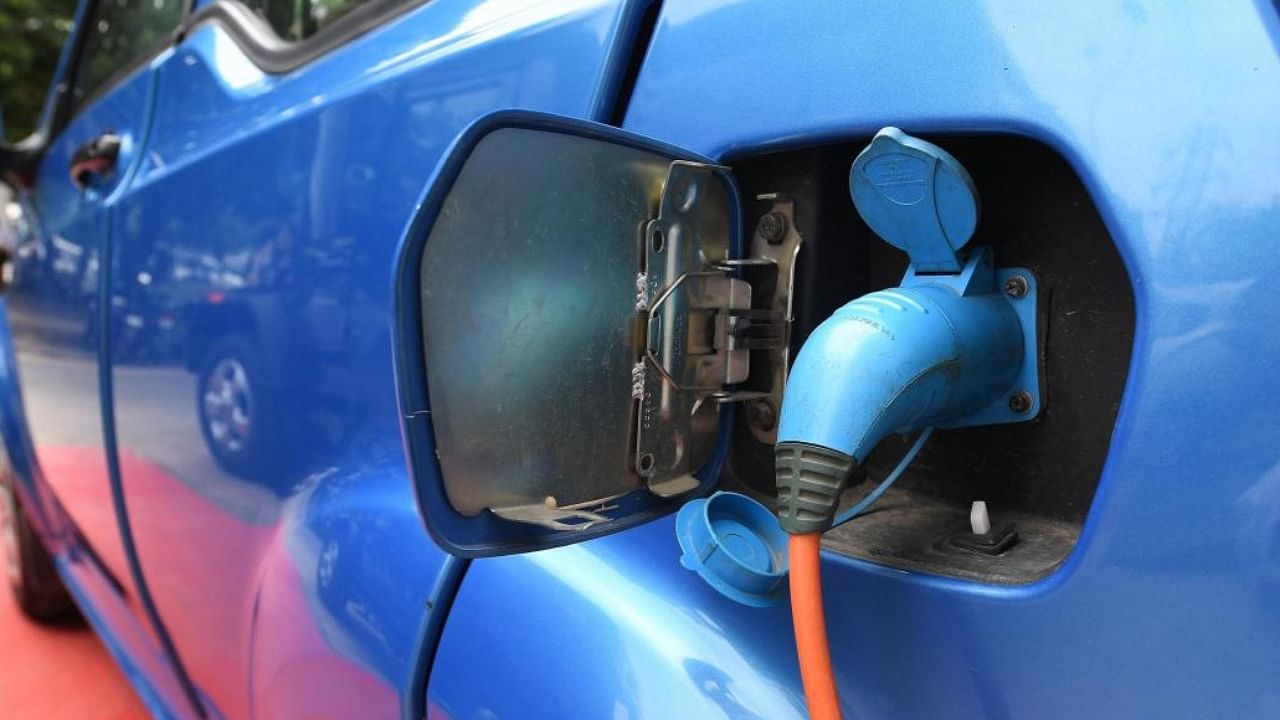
(31, 36)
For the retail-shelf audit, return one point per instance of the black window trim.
(275, 55)
(251, 33)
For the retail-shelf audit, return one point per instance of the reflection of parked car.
(314, 303)
(242, 388)
(237, 387)
(233, 405)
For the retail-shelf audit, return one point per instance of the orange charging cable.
(811, 627)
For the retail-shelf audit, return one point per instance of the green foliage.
(31, 36)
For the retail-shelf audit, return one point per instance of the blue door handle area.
(96, 157)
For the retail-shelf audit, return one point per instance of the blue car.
(530, 359)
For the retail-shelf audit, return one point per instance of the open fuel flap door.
(574, 319)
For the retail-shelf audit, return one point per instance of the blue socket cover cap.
(736, 545)
(916, 197)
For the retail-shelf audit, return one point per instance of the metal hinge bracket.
(702, 327)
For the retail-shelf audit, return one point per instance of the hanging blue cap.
(917, 197)
(736, 545)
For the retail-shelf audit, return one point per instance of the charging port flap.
(574, 312)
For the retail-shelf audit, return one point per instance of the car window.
(119, 33)
(297, 20)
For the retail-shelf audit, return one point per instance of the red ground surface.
(64, 672)
(52, 672)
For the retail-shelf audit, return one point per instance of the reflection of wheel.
(32, 577)
(237, 415)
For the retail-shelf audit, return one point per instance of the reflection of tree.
(31, 36)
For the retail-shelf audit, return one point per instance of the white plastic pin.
(979, 520)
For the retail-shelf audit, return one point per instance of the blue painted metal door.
(255, 406)
(55, 309)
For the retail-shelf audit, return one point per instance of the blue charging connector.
(954, 345)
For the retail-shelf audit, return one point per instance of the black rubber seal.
(810, 481)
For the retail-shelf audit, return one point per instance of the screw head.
(761, 415)
(773, 227)
(645, 465)
(1016, 286)
(1021, 401)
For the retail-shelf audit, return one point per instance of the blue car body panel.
(1170, 604)
(257, 215)
(116, 620)
(59, 443)
(263, 222)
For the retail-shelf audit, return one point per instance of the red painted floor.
(52, 672)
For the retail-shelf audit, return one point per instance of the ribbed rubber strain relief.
(810, 480)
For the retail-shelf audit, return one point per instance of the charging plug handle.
(937, 352)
